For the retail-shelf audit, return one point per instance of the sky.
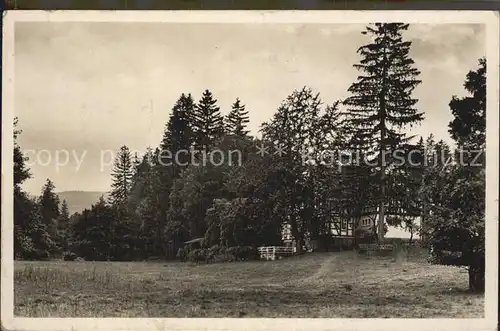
(82, 90)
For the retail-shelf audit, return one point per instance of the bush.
(69, 256)
(214, 251)
(242, 253)
(247, 253)
(197, 255)
(182, 254)
(223, 257)
(37, 255)
(233, 251)
(218, 254)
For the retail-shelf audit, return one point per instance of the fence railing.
(273, 252)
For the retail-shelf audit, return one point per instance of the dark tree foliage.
(298, 132)
(468, 128)
(94, 232)
(381, 103)
(21, 172)
(32, 240)
(140, 178)
(122, 177)
(49, 207)
(63, 225)
(169, 161)
(237, 119)
(207, 122)
(457, 217)
(178, 136)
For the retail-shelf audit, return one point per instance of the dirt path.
(320, 275)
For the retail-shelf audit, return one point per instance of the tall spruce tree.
(168, 162)
(237, 119)
(178, 136)
(122, 177)
(64, 213)
(49, 207)
(381, 103)
(63, 226)
(208, 123)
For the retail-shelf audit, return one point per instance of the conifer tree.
(178, 135)
(22, 242)
(122, 177)
(208, 123)
(49, 208)
(63, 226)
(381, 103)
(468, 128)
(237, 119)
(136, 162)
(168, 162)
(21, 172)
(142, 170)
(64, 213)
(456, 220)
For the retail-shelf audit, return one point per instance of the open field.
(315, 285)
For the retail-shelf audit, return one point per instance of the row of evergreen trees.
(155, 204)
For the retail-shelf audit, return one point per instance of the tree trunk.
(297, 237)
(381, 212)
(476, 279)
(381, 216)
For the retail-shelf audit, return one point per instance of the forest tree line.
(153, 208)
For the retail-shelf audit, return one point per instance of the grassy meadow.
(341, 284)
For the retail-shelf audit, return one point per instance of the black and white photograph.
(242, 168)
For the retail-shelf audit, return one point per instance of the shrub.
(182, 254)
(247, 253)
(224, 257)
(233, 251)
(69, 256)
(214, 251)
(243, 253)
(197, 255)
(218, 254)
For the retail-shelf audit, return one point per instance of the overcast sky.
(92, 87)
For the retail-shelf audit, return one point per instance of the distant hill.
(79, 200)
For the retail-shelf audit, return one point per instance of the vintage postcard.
(250, 170)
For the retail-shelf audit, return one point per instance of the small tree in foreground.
(457, 218)
(458, 225)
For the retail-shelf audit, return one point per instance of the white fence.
(273, 252)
